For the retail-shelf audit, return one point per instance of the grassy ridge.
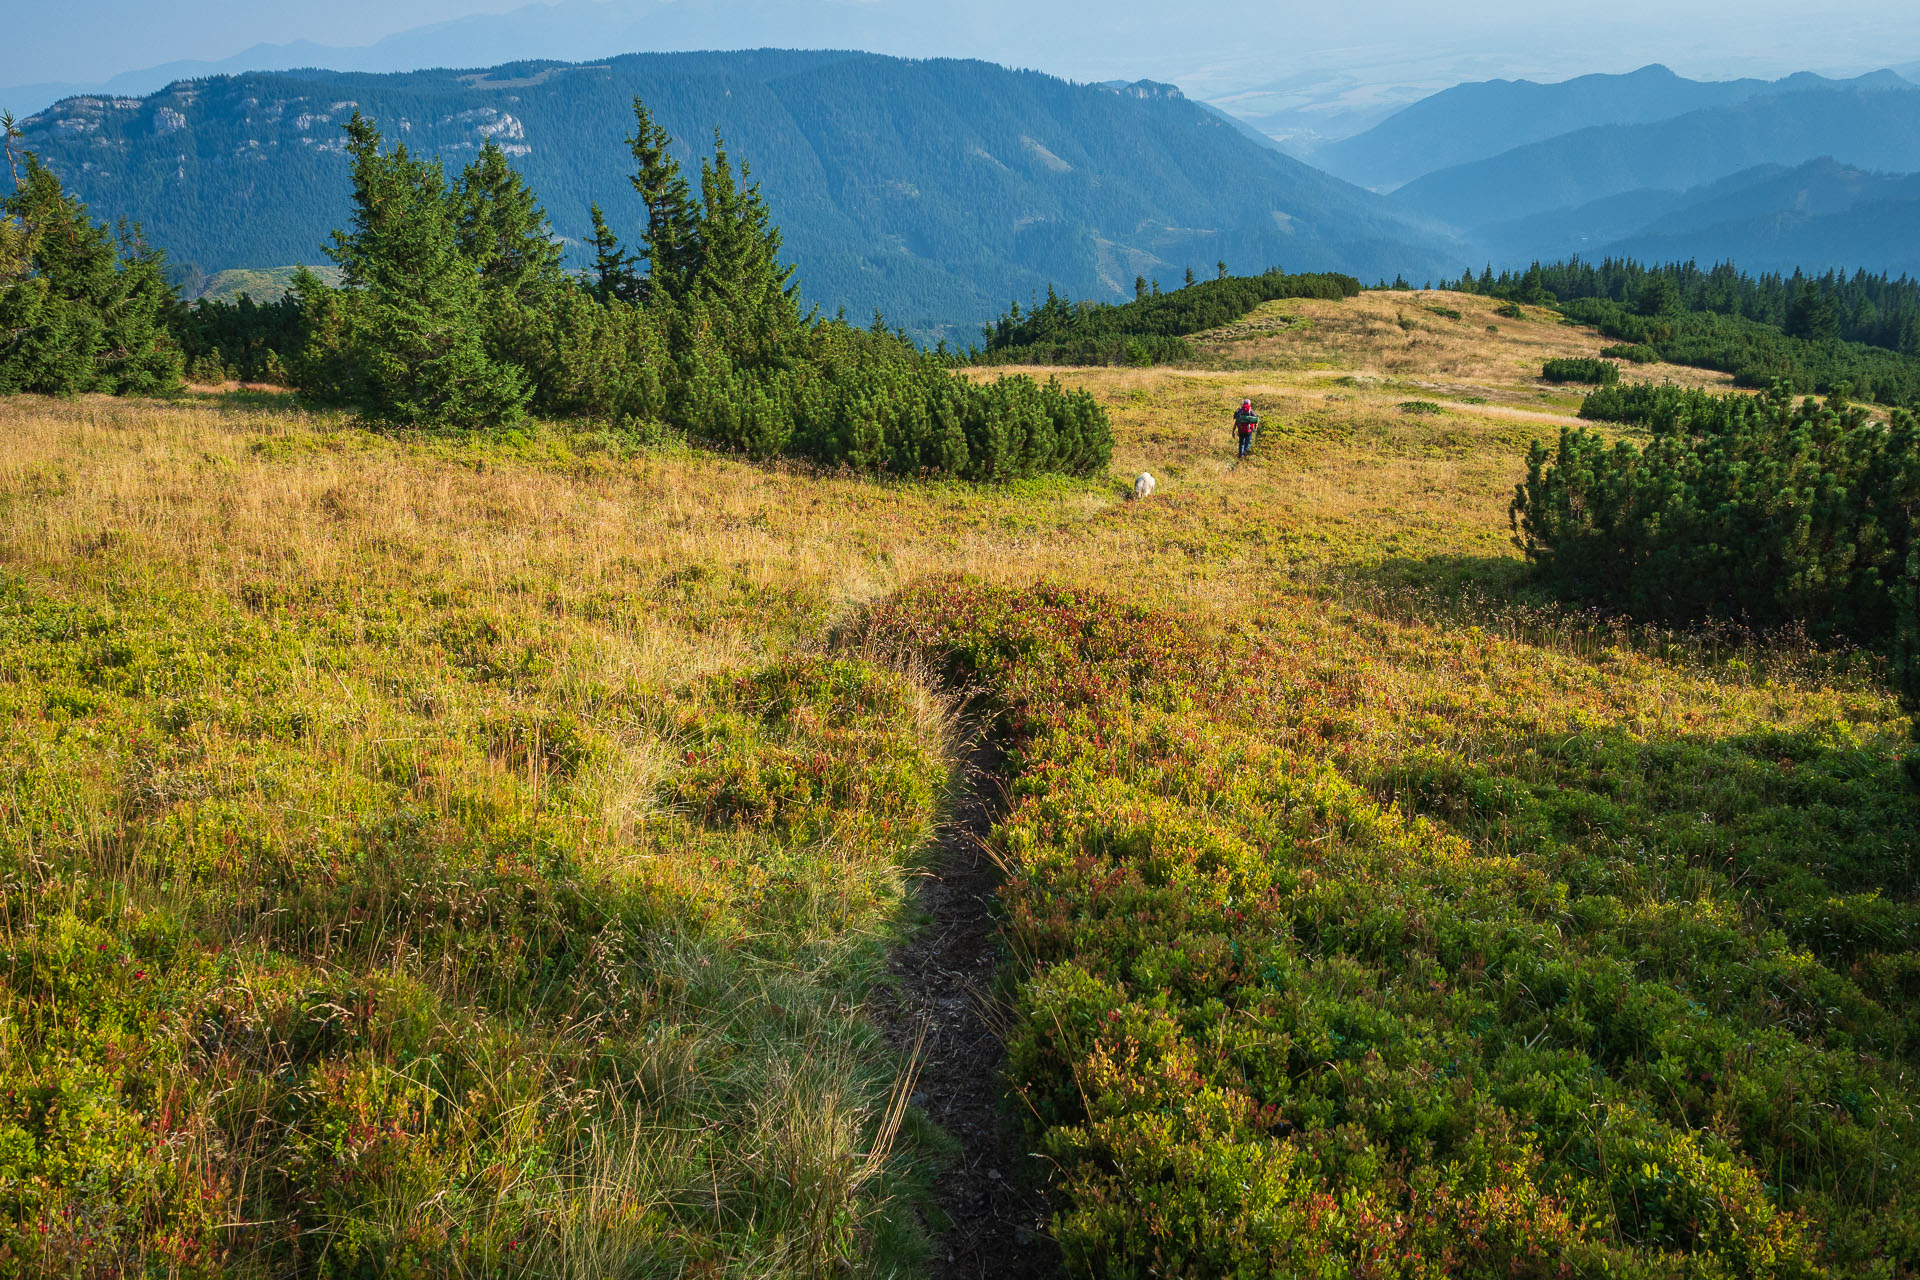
(1150, 330)
(1347, 949)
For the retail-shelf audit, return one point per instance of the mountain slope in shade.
(1869, 128)
(935, 191)
(1817, 217)
(1476, 121)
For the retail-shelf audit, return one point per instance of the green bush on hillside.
(1752, 508)
(1636, 352)
(1581, 369)
(1151, 329)
(1660, 405)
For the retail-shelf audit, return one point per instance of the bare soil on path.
(944, 1002)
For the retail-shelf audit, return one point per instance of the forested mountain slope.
(1815, 216)
(933, 190)
(1873, 129)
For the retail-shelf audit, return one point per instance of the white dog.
(1143, 487)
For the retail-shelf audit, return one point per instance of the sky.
(1286, 55)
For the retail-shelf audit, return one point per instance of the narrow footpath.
(996, 1219)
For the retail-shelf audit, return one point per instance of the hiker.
(1245, 423)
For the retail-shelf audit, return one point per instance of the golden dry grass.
(1393, 337)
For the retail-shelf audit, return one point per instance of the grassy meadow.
(435, 858)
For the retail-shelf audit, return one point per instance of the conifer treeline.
(1833, 333)
(1152, 329)
(453, 311)
(1876, 310)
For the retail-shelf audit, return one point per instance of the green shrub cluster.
(1150, 330)
(1753, 508)
(1581, 369)
(240, 339)
(1635, 352)
(1662, 406)
(1314, 982)
(81, 309)
(1758, 354)
(1875, 310)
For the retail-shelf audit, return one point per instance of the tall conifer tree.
(501, 229)
(409, 324)
(740, 280)
(613, 275)
(81, 309)
(671, 246)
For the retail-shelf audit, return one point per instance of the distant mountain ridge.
(1817, 216)
(935, 191)
(1821, 216)
(1876, 129)
(1472, 122)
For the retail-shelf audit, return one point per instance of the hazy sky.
(1229, 43)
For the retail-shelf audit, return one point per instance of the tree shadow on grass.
(1497, 595)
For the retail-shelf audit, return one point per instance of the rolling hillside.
(935, 191)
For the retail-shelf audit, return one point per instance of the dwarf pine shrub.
(1581, 369)
(1753, 508)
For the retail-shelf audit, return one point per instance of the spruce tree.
(740, 281)
(613, 275)
(410, 318)
(81, 309)
(1814, 315)
(501, 229)
(672, 246)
